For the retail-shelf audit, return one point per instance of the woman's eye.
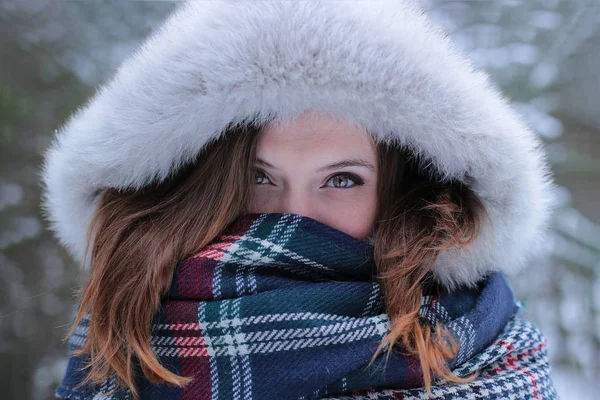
(344, 181)
(261, 178)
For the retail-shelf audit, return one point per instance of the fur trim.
(382, 65)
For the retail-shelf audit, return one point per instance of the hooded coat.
(383, 65)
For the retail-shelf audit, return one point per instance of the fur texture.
(381, 65)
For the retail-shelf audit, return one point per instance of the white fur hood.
(380, 64)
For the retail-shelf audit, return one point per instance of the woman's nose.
(299, 203)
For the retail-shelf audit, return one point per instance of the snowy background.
(545, 54)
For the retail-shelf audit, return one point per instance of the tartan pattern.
(515, 366)
(281, 306)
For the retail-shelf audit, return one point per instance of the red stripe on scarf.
(195, 280)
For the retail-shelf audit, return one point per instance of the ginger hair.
(136, 239)
(419, 216)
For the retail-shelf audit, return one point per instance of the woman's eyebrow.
(352, 162)
(262, 162)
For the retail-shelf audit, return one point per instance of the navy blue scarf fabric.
(281, 306)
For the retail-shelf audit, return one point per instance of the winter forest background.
(545, 54)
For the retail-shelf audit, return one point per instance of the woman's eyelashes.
(261, 178)
(345, 181)
(339, 181)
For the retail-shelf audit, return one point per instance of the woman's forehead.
(307, 132)
(306, 144)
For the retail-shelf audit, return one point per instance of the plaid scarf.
(281, 306)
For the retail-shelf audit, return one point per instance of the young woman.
(299, 200)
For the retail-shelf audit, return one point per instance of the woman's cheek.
(267, 199)
(262, 201)
(363, 197)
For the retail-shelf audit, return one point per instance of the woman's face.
(321, 168)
